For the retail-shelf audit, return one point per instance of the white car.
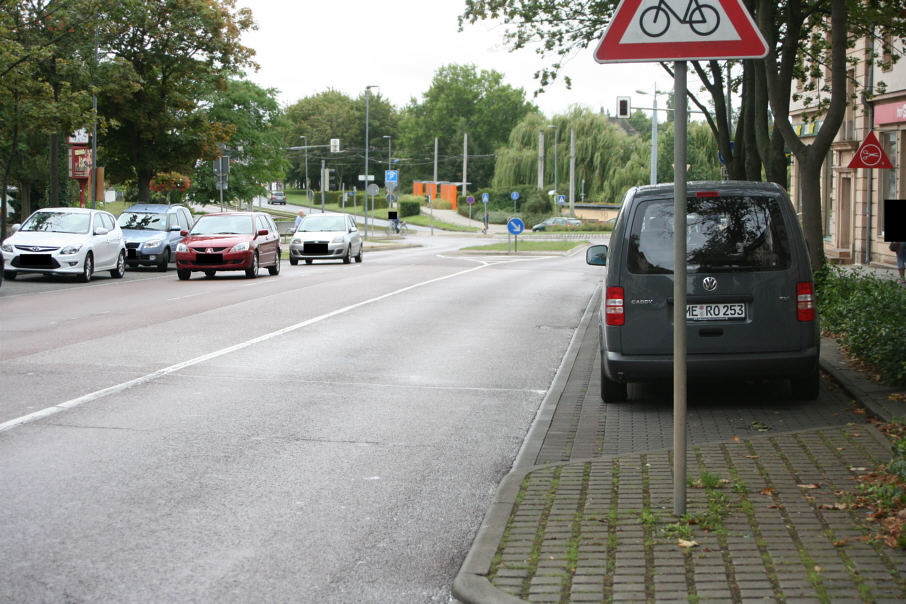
(66, 241)
(326, 237)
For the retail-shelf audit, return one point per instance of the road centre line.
(97, 394)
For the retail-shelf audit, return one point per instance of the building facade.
(853, 199)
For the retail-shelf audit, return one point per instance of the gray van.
(750, 311)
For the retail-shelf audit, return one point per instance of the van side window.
(723, 234)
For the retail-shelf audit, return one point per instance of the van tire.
(611, 391)
(805, 388)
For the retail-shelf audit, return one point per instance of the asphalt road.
(332, 434)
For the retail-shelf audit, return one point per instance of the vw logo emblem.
(709, 283)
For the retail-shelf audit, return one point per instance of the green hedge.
(867, 315)
(409, 208)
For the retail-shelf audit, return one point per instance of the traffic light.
(623, 107)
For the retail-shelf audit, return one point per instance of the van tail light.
(613, 306)
(805, 301)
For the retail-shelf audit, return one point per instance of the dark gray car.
(750, 310)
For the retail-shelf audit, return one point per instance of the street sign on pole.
(561, 200)
(662, 30)
(370, 177)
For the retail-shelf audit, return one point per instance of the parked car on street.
(750, 309)
(278, 197)
(65, 241)
(152, 232)
(558, 222)
(326, 237)
(229, 241)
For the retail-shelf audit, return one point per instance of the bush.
(409, 208)
(866, 315)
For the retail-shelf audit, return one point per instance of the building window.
(888, 177)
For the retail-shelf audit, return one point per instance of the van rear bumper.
(645, 368)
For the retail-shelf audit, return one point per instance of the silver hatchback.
(326, 237)
(750, 309)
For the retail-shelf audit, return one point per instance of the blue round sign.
(515, 226)
(514, 195)
(470, 200)
(485, 198)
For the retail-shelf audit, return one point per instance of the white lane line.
(48, 411)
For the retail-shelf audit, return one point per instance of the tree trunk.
(810, 202)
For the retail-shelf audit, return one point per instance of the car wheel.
(294, 261)
(253, 271)
(308, 261)
(11, 275)
(275, 270)
(346, 257)
(88, 269)
(611, 391)
(210, 274)
(164, 261)
(806, 388)
(183, 274)
(120, 269)
(358, 257)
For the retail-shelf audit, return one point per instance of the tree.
(165, 58)
(461, 100)
(254, 129)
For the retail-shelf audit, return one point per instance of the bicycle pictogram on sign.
(703, 19)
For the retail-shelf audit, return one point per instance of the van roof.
(727, 187)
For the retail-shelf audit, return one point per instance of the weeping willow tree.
(608, 159)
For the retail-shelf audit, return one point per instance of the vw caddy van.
(750, 309)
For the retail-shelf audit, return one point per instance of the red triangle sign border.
(870, 154)
(750, 45)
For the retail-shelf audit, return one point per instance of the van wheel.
(611, 391)
(805, 388)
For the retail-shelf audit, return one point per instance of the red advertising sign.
(678, 30)
(80, 163)
(870, 154)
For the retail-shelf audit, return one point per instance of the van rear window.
(723, 234)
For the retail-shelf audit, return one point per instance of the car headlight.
(241, 247)
(338, 239)
(182, 247)
(7, 248)
(70, 250)
(153, 243)
(296, 241)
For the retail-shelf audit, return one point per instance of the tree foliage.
(161, 60)
(461, 100)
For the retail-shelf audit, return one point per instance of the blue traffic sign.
(514, 195)
(391, 175)
(515, 226)
(485, 198)
(561, 199)
(470, 200)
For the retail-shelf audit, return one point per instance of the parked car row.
(81, 241)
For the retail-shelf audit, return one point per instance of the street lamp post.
(367, 102)
(305, 138)
(556, 138)
(653, 132)
(389, 160)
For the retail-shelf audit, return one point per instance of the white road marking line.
(97, 394)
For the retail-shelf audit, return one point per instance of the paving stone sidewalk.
(767, 518)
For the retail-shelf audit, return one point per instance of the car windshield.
(313, 224)
(58, 222)
(722, 234)
(143, 221)
(223, 225)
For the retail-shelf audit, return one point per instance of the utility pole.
(572, 173)
(541, 160)
(465, 162)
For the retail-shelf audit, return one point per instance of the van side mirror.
(596, 255)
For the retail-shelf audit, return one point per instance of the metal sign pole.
(679, 291)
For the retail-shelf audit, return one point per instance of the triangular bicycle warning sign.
(870, 154)
(678, 30)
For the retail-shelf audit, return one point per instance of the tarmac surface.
(584, 518)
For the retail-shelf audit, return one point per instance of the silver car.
(326, 237)
(66, 241)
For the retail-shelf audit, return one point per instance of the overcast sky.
(306, 47)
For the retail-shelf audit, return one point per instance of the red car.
(231, 241)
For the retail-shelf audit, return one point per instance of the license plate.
(734, 311)
(35, 260)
